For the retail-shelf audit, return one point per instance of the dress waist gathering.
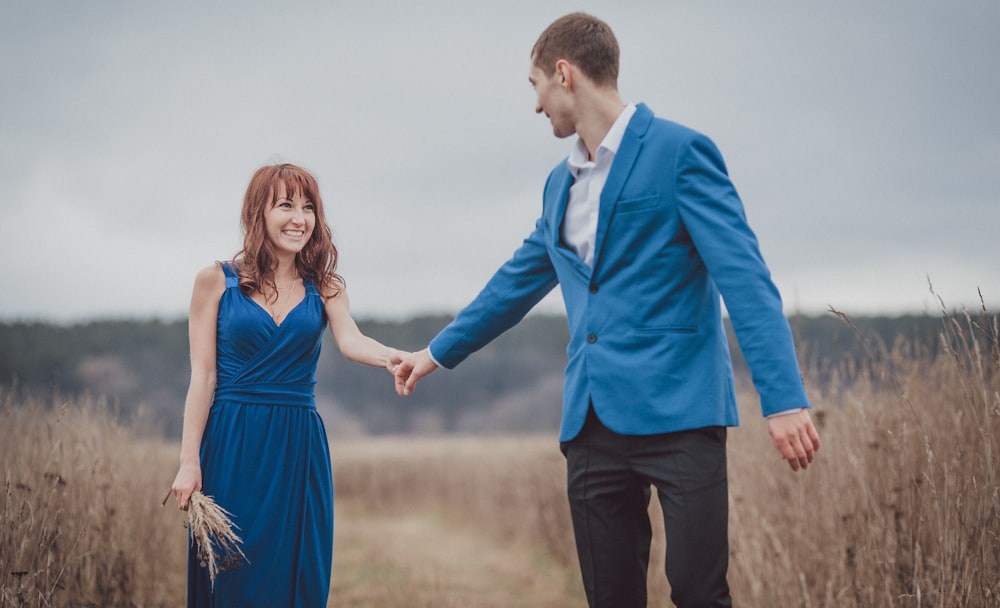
(295, 394)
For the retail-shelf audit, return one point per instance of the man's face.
(553, 99)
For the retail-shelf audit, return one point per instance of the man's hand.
(795, 437)
(412, 368)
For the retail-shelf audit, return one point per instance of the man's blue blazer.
(647, 344)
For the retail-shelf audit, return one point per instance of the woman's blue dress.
(265, 456)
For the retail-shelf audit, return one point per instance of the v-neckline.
(261, 308)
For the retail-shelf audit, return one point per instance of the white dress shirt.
(579, 228)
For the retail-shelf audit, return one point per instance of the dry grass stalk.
(214, 535)
(74, 488)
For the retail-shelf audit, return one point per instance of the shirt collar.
(579, 156)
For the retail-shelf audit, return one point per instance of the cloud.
(861, 137)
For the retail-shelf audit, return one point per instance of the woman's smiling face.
(290, 221)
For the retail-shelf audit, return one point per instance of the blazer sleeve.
(513, 290)
(716, 222)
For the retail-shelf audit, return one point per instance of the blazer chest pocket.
(664, 329)
(635, 205)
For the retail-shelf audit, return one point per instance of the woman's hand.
(395, 357)
(187, 482)
(414, 367)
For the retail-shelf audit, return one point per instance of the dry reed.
(214, 536)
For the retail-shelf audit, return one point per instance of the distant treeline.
(512, 385)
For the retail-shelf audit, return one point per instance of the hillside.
(514, 384)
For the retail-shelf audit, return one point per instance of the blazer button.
(593, 288)
(591, 338)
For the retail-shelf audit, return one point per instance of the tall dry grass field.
(80, 520)
(901, 508)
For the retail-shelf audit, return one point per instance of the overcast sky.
(864, 138)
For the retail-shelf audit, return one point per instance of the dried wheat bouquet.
(214, 535)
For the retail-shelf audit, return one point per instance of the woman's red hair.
(316, 262)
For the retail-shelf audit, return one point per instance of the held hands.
(795, 437)
(412, 368)
(394, 358)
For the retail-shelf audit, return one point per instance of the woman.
(252, 438)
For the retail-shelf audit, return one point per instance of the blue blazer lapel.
(621, 167)
(562, 198)
(561, 190)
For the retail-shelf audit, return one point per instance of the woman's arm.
(353, 344)
(208, 288)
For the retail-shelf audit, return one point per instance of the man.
(642, 229)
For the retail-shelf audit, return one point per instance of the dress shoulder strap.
(232, 274)
(311, 289)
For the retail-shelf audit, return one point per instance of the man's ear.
(564, 74)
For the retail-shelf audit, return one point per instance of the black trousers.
(609, 478)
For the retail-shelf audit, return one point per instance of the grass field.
(902, 507)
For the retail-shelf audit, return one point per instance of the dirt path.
(421, 560)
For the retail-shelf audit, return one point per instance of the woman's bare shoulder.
(210, 278)
(333, 289)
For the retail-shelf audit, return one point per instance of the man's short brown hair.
(583, 40)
